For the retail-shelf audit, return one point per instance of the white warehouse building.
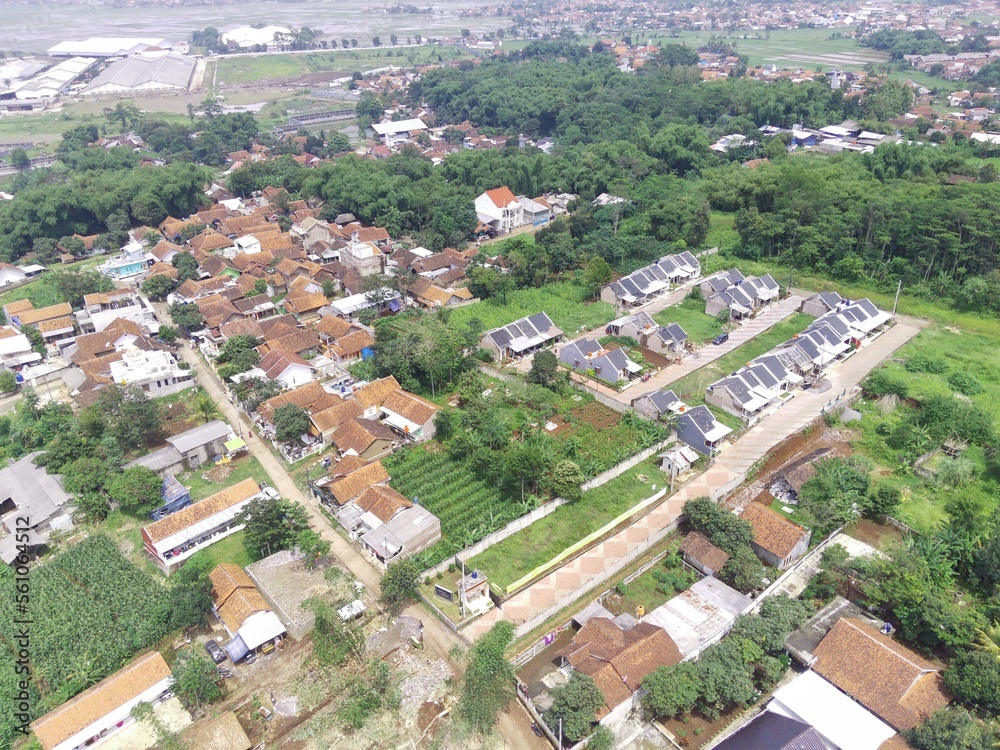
(150, 71)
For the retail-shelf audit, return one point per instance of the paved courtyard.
(547, 596)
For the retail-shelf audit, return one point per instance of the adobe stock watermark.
(21, 639)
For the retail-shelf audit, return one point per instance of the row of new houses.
(829, 339)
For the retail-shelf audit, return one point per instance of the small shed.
(702, 555)
(677, 460)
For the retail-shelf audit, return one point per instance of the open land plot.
(567, 304)
(518, 554)
(691, 316)
(953, 488)
(239, 69)
(789, 47)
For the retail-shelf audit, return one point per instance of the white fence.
(528, 625)
(538, 513)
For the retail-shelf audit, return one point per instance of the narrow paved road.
(711, 352)
(530, 607)
(515, 723)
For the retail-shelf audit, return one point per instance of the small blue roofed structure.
(175, 497)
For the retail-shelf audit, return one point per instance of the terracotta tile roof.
(213, 265)
(274, 242)
(216, 213)
(106, 298)
(609, 682)
(201, 510)
(302, 340)
(162, 269)
(647, 647)
(99, 368)
(36, 315)
(286, 266)
(376, 392)
(332, 326)
(772, 531)
(18, 306)
(189, 289)
(346, 465)
(279, 329)
(359, 434)
(501, 196)
(369, 234)
(292, 252)
(269, 324)
(164, 248)
(276, 361)
(225, 579)
(312, 397)
(95, 344)
(98, 701)
(896, 684)
(382, 501)
(334, 416)
(303, 303)
(55, 324)
(631, 655)
(240, 605)
(352, 344)
(698, 547)
(210, 240)
(354, 483)
(411, 407)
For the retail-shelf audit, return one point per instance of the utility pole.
(899, 288)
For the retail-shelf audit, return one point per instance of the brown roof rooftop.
(632, 654)
(332, 326)
(899, 686)
(358, 434)
(772, 531)
(98, 701)
(382, 501)
(410, 407)
(376, 392)
(698, 547)
(36, 315)
(201, 510)
(334, 416)
(225, 579)
(355, 482)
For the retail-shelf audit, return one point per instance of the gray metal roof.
(199, 436)
(147, 71)
(34, 491)
(158, 460)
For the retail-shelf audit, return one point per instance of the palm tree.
(989, 640)
(205, 408)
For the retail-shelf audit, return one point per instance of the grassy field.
(927, 502)
(41, 293)
(721, 231)
(524, 551)
(691, 388)
(786, 48)
(201, 486)
(691, 315)
(228, 550)
(245, 69)
(563, 301)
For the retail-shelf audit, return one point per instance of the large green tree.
(489, 679)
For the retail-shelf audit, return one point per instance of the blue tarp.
(395, 305)
(367, 353)
(175, 496)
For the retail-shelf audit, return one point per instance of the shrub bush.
(965, 383)
(927, 363)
